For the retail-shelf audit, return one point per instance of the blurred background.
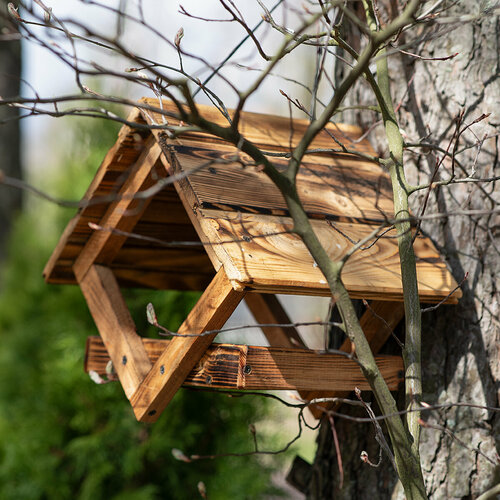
(62, 436)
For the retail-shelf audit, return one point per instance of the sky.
(210, 41)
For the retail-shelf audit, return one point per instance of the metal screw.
(124, 360)
(151, 413)
(212, 170)
(162, 369)
(247, 369)
(208, 380)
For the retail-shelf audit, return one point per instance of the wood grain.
(116, 327)
(123, 214)
(269, 131)
(229, 366)
(340, 187)
(108, 179)
(173, 366)
(271, 262)
(206, 206)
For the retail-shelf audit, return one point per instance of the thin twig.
(379, 434)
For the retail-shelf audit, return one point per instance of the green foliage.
(62, 436)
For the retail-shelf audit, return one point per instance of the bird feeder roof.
(169, 213)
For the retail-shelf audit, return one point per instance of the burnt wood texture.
(194, 213)
(223, 211)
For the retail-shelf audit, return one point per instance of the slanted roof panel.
(270, 259)
(339, 187)
(227, 204)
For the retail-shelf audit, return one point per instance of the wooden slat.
(344, 188)
(266, 309)
(269, 131)
(122, 214)
(377, 325)
(52, 271)
(116, 327)
(183, 260)
(281, 263)
(229, 366)
(157, 280)
(340, 187)
(173, 366)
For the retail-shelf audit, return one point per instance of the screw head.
(208, 380)
(247, 369)
(162, 369)
(124, 360)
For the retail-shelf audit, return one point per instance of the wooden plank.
(229, 366)
(343, 188)
(166, 233)
(183, 260)
(268, 258)
(157, 280)
(123, 214)
(269, 131)
(377, 323)
(193, 202)
(173, 366)
(266, 309)
(129, 145)
(116, 327)
(51, 270)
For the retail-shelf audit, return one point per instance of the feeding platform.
(192, 213)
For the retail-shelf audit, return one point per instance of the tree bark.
(10, 161)
(460, 344)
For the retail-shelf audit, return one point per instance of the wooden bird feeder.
(238, 224)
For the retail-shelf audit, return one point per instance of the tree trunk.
(10, 163)
(460, 343)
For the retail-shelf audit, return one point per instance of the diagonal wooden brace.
(116, 327)
(123, 214)
(377, 323)
(266, 309)
(176, 362)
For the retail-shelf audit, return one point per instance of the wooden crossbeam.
(123, 213)
(116, 327)
(229, 366)
(174, 364)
